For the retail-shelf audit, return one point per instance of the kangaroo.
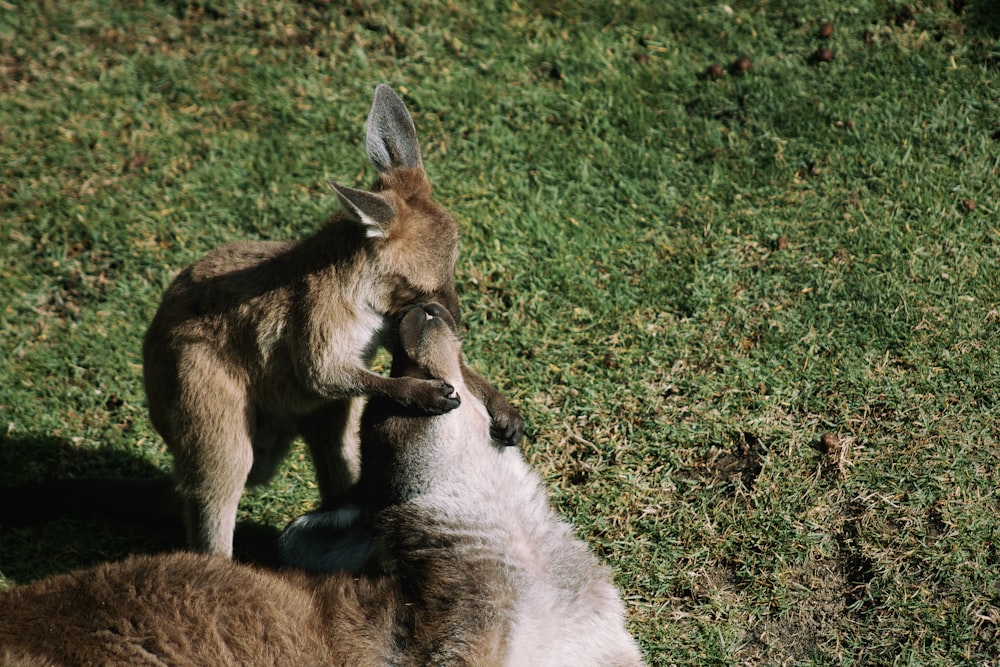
(260, 342)
(474, 567)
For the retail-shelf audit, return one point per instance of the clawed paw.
(439, 397)
(507, 427)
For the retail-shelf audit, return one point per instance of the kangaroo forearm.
(508, 425)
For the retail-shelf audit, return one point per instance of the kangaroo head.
(428, 346)
(415, 241)
(399, 448)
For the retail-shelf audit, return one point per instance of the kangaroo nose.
(433, 310)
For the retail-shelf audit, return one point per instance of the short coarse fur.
(473, 567)
(260, 342)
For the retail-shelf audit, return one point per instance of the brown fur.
(196, 609)
(260, 342)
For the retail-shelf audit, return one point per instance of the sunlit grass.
(682, 280)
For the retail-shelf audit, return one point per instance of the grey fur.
(367, 208)
(391, 138)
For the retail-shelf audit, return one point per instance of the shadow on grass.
(63, 507)
(983, 16)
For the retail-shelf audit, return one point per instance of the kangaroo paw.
(507, 425)
(433, 397)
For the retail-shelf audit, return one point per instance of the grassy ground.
(683, 279)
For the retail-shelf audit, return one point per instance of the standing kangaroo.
(476, 569)
(260, 342)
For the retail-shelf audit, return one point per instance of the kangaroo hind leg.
(213, 456)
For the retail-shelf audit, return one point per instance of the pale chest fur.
(566, 610)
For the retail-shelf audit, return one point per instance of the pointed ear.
(391, 138)
(373, 212)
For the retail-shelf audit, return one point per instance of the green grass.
(682, 282)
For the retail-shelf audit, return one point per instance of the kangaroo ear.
(391, 138)
(367, 208)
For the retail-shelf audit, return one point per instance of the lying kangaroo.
(260, 342)
(464, 521)
(476, 568)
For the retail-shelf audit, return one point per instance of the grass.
(683, 282)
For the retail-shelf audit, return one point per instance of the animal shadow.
(63, 507)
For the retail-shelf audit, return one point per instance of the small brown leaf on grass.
(829, 444)
(821, 55)
(135, 162)
(740, 66)
(836, 451)
(740, 461)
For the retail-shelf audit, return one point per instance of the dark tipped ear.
(391, 138)
(367, 208)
